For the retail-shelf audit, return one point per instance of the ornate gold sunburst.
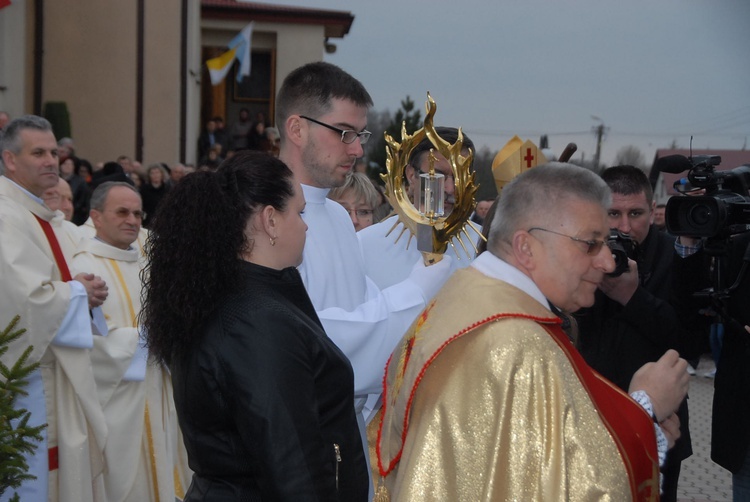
(445, 229)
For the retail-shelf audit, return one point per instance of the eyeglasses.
(594, 245)
(124, 213)
(347, 135)
(361, 213)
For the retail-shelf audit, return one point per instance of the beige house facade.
(132, 73)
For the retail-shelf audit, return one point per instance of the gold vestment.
(481, 402)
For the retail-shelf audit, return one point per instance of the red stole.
(53, 453)
(627, 422)
(56, 251)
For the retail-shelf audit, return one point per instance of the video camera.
(622, 247)
(723, 211)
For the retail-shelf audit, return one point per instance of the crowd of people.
(111, 430)
(257, 329)
(216, 144)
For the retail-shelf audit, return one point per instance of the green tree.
(409, 114)
(57, 114)
(21, 439)
(484, 177)
(630, 155)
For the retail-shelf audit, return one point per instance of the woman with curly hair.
(264, 398)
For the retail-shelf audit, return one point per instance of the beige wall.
(161, 124)
(297, 45)
(91, 62)
(14, 77)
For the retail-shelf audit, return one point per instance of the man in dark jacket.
(210, 137)
(730, 420)
(730, 425)
(637, 315)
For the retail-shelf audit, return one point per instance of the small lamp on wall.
(330, 47)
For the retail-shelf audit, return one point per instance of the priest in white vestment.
(322, 114)
(54, 309)
(60, 199)
(145, 456)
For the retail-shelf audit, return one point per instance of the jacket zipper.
(338, 461)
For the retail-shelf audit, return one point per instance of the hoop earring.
(273, 240)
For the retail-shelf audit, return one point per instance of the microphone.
(673, 164)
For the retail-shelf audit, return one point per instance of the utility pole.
(599, 131)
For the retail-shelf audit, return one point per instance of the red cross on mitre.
(529, 155)
(514, 158)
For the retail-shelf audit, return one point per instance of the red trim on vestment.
(53, 458)
(627, 422)
(56, 251)
(392, 464)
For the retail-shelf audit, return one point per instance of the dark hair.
(195, 243)
(99, 196)
(85, 163)
(111, 168)
(486, 225)
(628, 180)
(76, 164)
(309, 89)
(449, 134)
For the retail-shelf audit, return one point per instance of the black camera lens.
(700, 215)
(622, 247)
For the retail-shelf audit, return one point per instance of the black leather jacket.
(265, 401)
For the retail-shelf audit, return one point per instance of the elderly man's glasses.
(347, 135)
(124, 213)
(593, 245)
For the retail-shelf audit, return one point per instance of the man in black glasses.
(637, 315)
(487, 398)
(321, 114)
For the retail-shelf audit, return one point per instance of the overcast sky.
(651, 71)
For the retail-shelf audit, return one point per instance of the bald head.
(60, 197)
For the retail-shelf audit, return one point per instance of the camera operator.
(730, 421)
(637, 316)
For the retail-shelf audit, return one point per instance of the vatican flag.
(239, 49)
(514, 158)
